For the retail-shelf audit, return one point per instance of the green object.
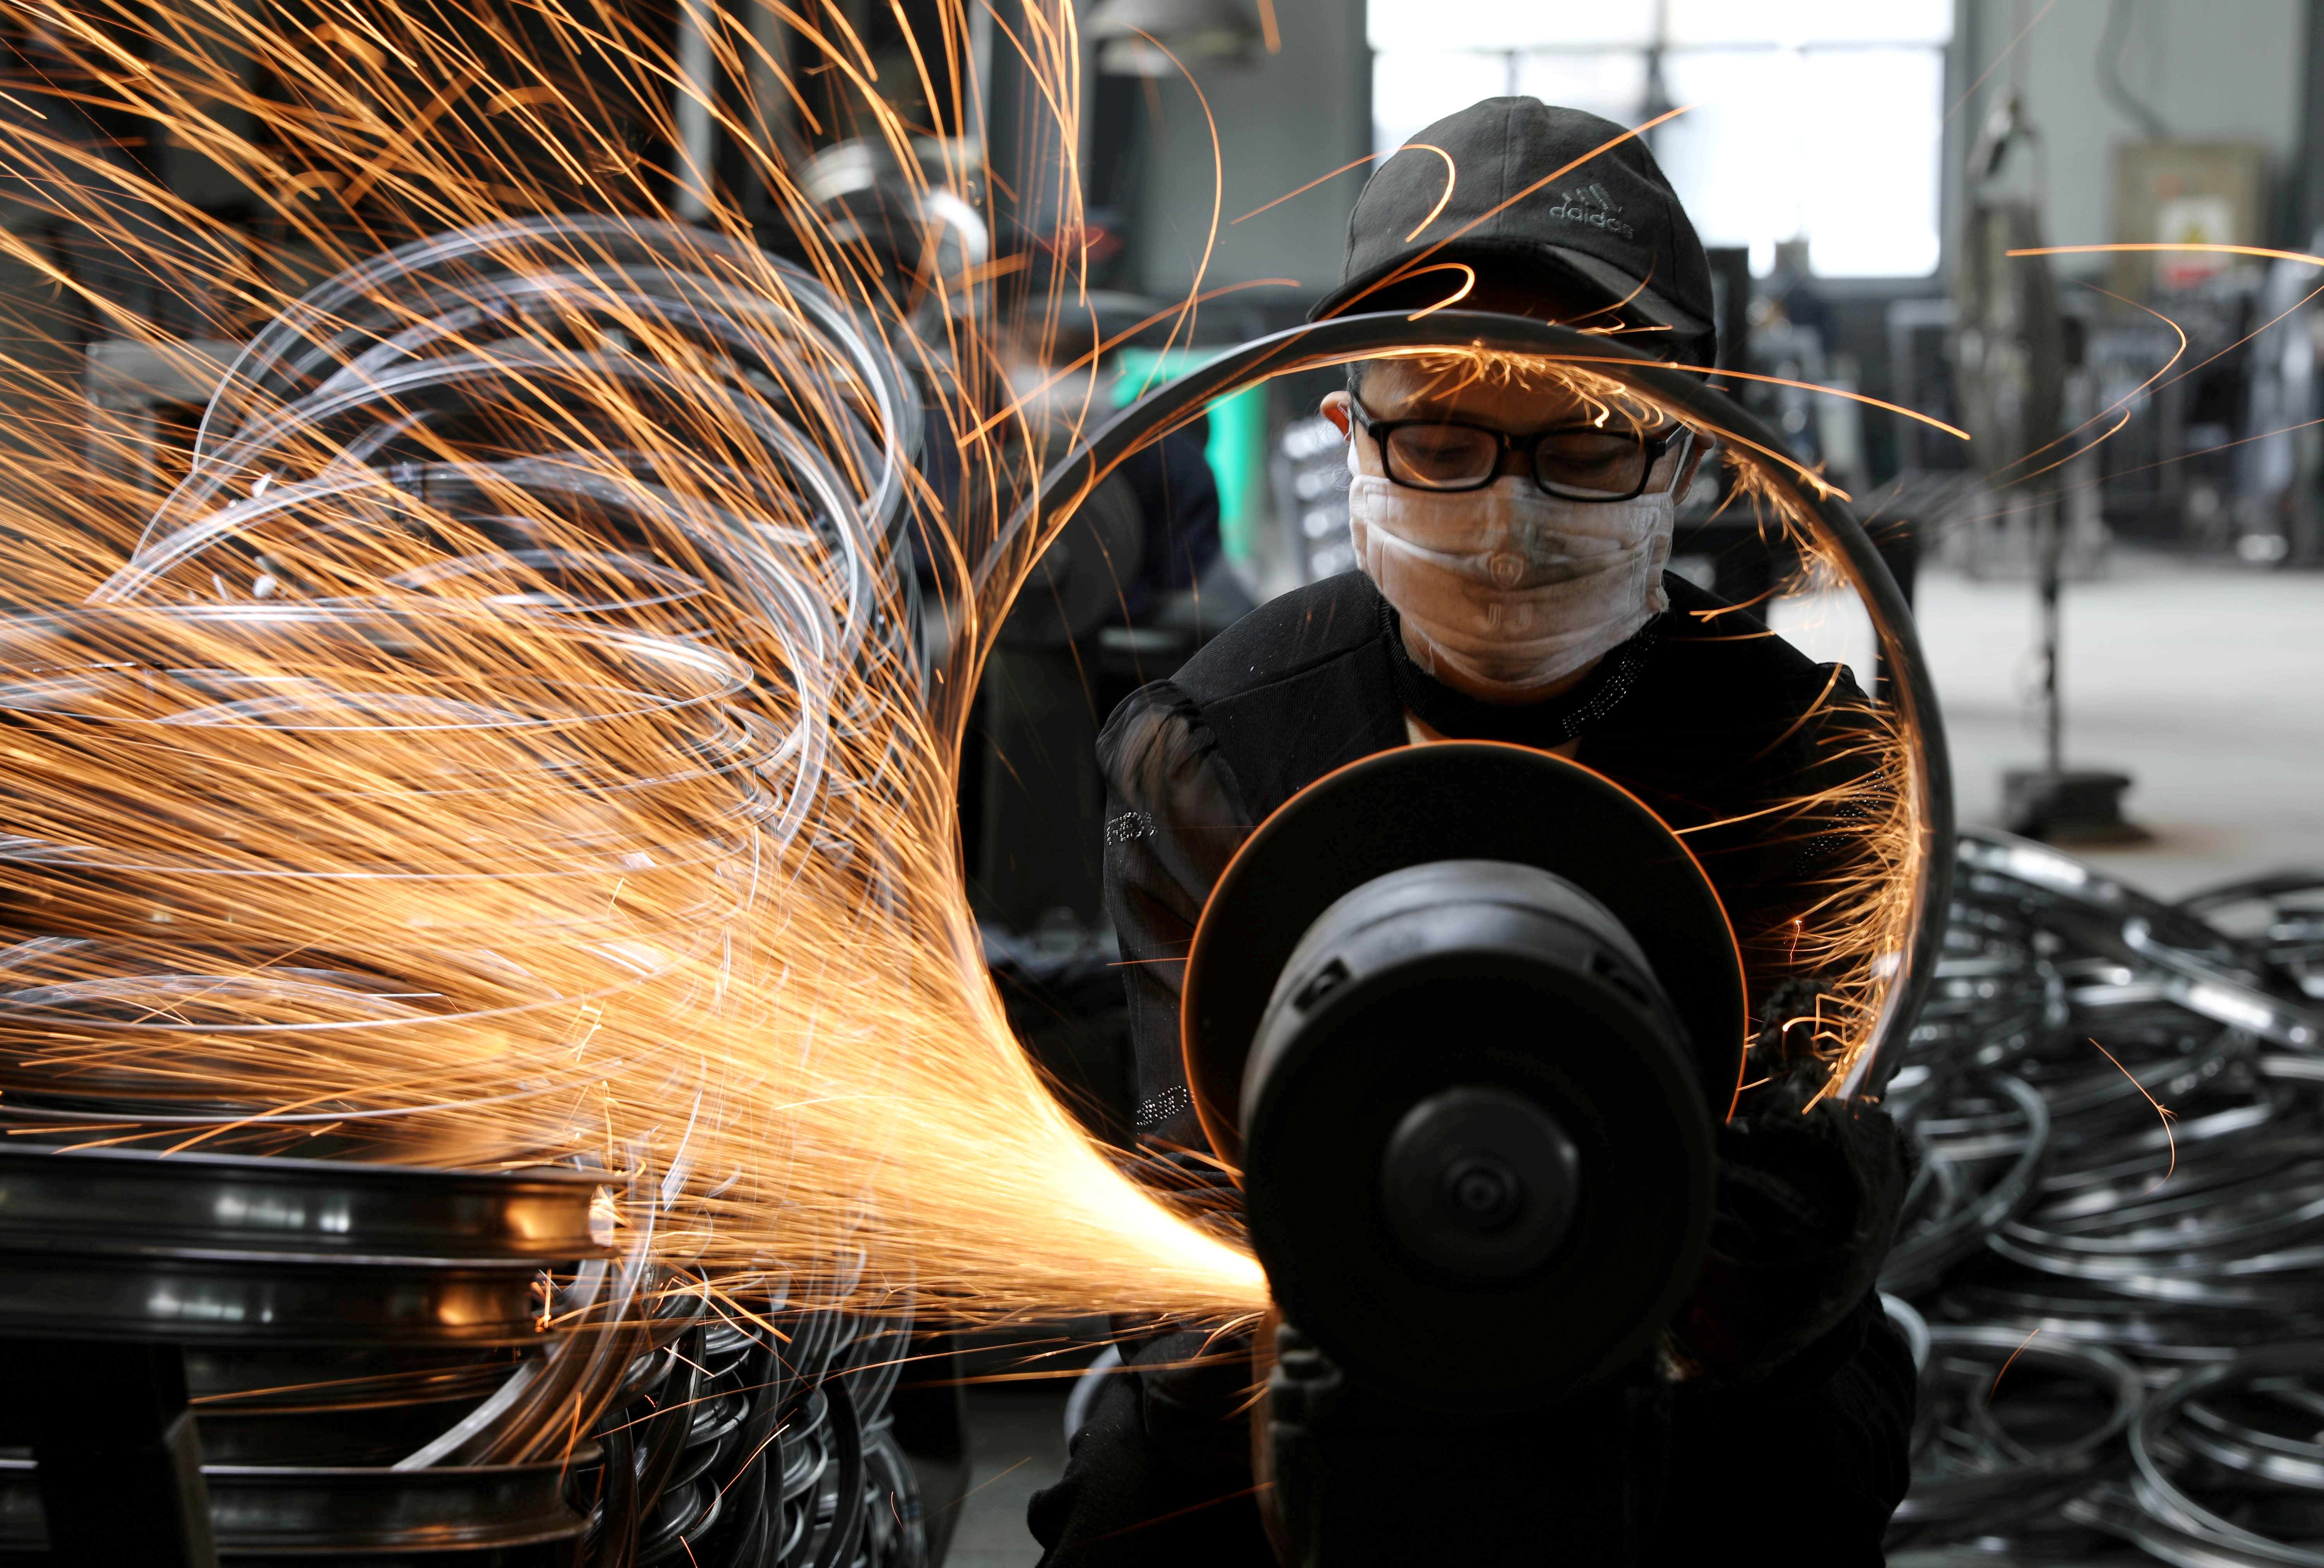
(1237, 448)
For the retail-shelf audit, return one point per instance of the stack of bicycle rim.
(290, 882)
(623, 423)
(367, 1344)
(2116, 1233)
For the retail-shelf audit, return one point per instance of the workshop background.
(2128, 647)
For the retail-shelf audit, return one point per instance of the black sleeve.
(1806, 1467)
(1160, 1477)
(1840, 1413)
(1174, 819)
(1773, 768)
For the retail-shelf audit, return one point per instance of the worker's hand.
(1807, 1206)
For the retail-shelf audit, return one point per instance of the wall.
(1283, 120)
(2214, 70)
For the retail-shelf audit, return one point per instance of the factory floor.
(2204, 682)
(1018, 1439)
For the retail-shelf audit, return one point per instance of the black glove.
(1807, 1206)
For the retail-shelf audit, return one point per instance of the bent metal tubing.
(1686, 394)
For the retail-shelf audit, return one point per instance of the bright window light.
(1417, 88)
(1500, 25)
(1795, 23)
(1813, 120)
(1610, 83)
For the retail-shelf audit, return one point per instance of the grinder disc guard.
(1465, 1014)
(1452, 800)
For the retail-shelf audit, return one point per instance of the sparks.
(2161, 1110)
(553, 777)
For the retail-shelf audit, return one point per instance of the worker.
(1511, 541)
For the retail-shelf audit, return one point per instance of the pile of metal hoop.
(369, 1369)
(2119, 1313)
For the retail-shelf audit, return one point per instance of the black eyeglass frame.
(1653, 447)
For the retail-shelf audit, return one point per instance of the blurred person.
(1048, 366)
(1177, 491)
(1511, 545)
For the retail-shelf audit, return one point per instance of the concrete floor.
(1016, 1431)
(2203, 681)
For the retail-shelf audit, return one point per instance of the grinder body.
(1465, 1015)
(1480, 1158)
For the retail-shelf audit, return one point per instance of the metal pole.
(2051, 542)
(695, 92)
(980, 66)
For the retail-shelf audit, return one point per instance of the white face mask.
(1507, 586)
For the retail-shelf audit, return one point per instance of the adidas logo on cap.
(1590, 205)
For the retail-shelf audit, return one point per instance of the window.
(1813, 120)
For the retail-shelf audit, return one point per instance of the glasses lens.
(1592, 464)
(1442, 457)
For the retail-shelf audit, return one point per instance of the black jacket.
(1708, 717)
(1722, 729)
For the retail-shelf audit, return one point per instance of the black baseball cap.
(1538, 193)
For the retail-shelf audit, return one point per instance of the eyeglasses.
(1573, 462)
